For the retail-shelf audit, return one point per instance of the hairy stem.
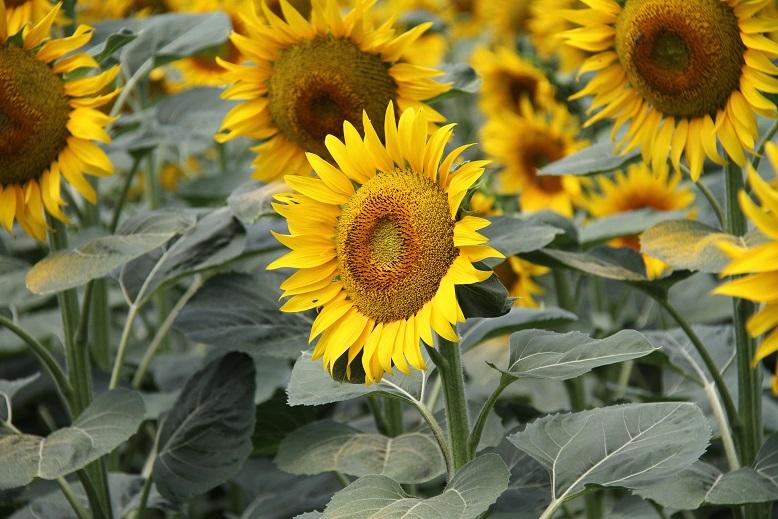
(453, 379)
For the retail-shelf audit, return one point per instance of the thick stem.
(749, 387)
(394, 416)
(456, 401)
(749, 379)
(439, 435)
(75, 503)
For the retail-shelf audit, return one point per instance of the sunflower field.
(388, 259)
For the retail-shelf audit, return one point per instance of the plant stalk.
(453, 379)
(480, 422)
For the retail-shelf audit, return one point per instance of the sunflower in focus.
(758, 265)
(638, 188)
(377, 243)
(523, 143)
(682, 74)
(546, 26)
(307, 77)
(507, 78)
(49, 123)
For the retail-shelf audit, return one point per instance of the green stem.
(144, 498)
(483, 415)
(565, 298)
(374, 403)
(121, 352)
(749, 379)
(164, 329)
(749, 390)
(71, 497)
(439, 435)
(45, 357)
(455, 400)
(394, 416)
(101, 325)
(710, 365)
(711, 198)
(119, 207)
(760, 149)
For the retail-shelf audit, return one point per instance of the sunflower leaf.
(594, 160)
(475, 331)
(628, 446)
(470, 492)
(623, 224)
(687, 244)
(562, 356)
(110, 420)
(327, 446)
(206, 437)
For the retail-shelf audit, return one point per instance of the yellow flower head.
(49, 122)
(309, 76)
(759, 264)
(518, 276)
(683, 75)
(377, 245)
(507, 78)
(546, 27)
(638, 188)
(509, 18)
(523, 143)
(431, 47)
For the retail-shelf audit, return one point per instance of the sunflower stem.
(453, 377)
(749, 379)
(483, 415)
(119, 207)
(714, 204)
(94, 476)
(394, 416)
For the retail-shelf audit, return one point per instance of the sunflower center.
(544, 150)
(683, 56)
(395, 242)
(518, 87)
(318, 84)
(34, 113)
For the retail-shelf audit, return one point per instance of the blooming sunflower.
(431, 47)
(518, 276)
(546, 26)
(507, 78)
(638, 188)
(523, 143)
(377, 243)
(307, 77)
(683, 74)
(758, 264)
(48, 122)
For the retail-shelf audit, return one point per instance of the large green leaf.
(630, 446)
(239, 309)
(206, 437)
(215, 239)
(99, 257)
(513, 235)
(311, 385)
(596, 159)
(562, 356)
(251, 202)
(705, 484)
(475, 331)
(623, 224)
(328, 446)
(107, 423)
(688, 244)
(621, 264)
(469, 493)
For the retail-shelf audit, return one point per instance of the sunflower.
(758, 264)
(518, 276)
(48, 122)
(522, 143)
(430, 48)
(638, 188)
(683, 74)
(21, 12)
(307, 77)
(377, 243)
(509, 18)
(546, 26)
(507, 78)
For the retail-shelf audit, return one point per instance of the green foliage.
(593, 160)
(206, 437)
